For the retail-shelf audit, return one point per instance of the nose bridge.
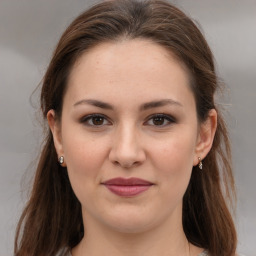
(127, 138)
(127, 149)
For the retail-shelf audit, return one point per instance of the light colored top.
(204, 253)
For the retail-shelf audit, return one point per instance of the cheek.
(174, 161)
(84, 158)
(176, 153)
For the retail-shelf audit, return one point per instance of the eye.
(160, 120)
(95, 120)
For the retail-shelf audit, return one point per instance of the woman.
(137, 158)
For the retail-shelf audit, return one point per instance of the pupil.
(158, 120)
(97, 120)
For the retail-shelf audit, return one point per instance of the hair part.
(52, 217)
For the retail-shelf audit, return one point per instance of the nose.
(127, 150)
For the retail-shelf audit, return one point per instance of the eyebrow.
(159, 103)
(96, 103)
(143, 107)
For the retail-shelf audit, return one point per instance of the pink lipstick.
(127, 187)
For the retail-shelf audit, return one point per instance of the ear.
(205, 136)
(55, 127)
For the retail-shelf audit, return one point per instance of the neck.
(167, 239)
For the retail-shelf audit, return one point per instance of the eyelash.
(89, 118)
(167, 118)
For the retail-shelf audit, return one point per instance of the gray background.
(29, 31)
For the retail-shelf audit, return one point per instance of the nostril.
(129, 165)
(116, 163)
(126, 165)
(127, 155)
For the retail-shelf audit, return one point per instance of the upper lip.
(127, 182)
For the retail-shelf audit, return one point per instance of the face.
(129, 112)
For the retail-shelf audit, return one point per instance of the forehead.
(137, 69)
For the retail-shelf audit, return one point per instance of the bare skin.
(129, 112)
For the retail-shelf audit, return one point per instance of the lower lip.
(128, 191)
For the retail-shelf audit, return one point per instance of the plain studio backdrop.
(29, 31)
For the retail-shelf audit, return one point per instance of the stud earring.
(61, 160)
(200, 164)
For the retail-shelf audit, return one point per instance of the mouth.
(127, 187)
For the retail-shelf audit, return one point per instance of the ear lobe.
(206, 136)
(56, 131)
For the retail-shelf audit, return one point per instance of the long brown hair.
(52, 217)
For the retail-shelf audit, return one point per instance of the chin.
(130, 222)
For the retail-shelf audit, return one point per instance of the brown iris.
(97, 120)
(159, 120)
